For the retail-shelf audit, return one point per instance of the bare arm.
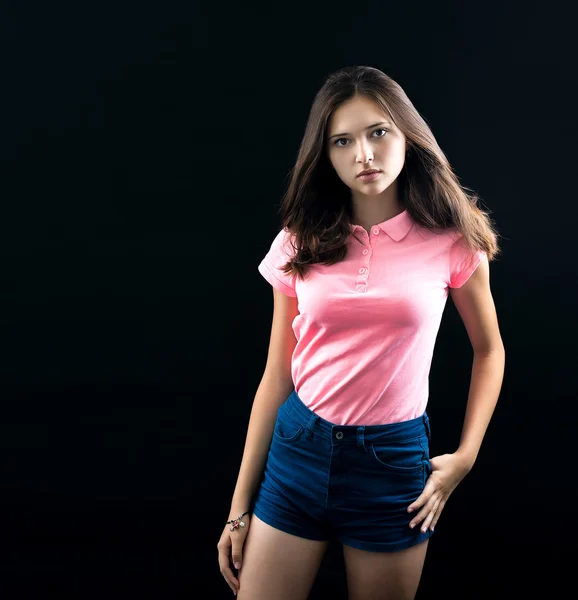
(475, 305)
(276, 385)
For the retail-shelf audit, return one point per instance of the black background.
(144, 152)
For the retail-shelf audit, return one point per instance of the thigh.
(384, 575)
(277, 564)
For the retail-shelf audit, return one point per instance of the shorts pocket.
(286, 428)
(405, 456)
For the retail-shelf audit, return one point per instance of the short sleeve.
(463, 262)
(270, 267)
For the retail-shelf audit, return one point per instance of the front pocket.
(286, 429)
(404, 456)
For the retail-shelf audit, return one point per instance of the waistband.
(394, 432)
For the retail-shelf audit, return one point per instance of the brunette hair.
(317, 207)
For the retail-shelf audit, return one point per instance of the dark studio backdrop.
(144, 150)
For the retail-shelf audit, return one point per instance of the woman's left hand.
(447, 471)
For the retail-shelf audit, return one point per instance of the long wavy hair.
(317, 206)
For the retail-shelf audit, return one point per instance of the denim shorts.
(351, 483)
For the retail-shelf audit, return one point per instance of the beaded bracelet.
(236, 523)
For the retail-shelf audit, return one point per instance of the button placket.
(363, 271)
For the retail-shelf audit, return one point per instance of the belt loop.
(426, 425)
(361, 437)
(310, 425)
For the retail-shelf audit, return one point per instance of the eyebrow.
(368, 127)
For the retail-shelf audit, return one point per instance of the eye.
(336, 142)
(381, 129)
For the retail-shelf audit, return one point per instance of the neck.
(371, 210)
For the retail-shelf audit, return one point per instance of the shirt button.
(339, 435)
(376, 231)
(362, 270)
(366, 251)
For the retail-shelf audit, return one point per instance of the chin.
(370, 190)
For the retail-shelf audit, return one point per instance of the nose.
(364, 153)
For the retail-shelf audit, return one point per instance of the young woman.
(376, 232)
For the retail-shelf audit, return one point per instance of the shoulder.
(284, 241)
(441, 237)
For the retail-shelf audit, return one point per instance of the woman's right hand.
(230, 549)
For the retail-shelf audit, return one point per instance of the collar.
(397, 227)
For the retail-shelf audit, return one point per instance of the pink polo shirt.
(367, 326)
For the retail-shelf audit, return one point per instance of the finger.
(425, 495)
(231, 580)
(237, 552)
(226, 571)
(437, 515)
(421, 500)
(429, 517)
(229, 576)
(424, 511)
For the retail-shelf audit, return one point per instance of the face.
(361, 136)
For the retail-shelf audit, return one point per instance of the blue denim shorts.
(346, 482)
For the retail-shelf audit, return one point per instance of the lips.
(369, 172)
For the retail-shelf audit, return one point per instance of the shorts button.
(339, 435)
